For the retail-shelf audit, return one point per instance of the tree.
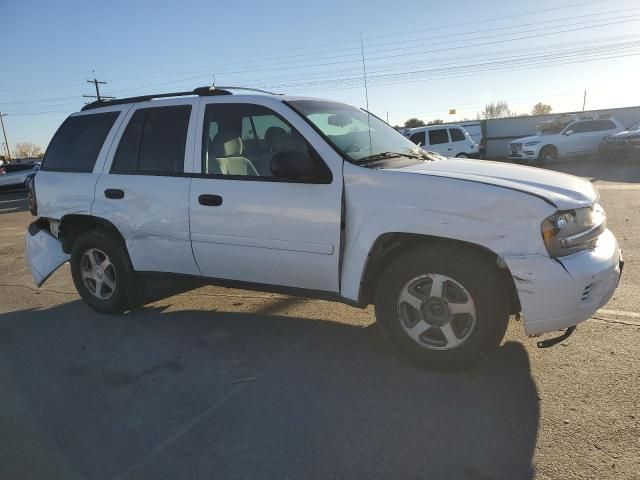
(496, 110)
(27, 150)
(541, 109)
(414, 122)
(437, 121)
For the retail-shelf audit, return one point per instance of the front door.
(247, 224)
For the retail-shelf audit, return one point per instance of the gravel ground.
(207, 382)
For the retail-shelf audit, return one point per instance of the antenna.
(366, 93)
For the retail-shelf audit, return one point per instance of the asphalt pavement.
(207, 382)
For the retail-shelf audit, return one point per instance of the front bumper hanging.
(550, 342)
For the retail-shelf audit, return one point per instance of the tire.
(548, 155)
(478, 333)
(119, 288)
(462, 155)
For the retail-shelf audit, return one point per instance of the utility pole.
(584, 100)
(97, 84)
(6, 143)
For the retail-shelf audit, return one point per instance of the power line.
(476, 21)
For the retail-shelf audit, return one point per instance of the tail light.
(31, 195)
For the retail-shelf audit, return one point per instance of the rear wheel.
(443, 307)
(548, 155)
(102, 272)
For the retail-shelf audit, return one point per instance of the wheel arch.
(74, 225)
(390, 245)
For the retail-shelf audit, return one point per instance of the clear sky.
(423, 58)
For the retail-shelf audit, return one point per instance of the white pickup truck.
(319, 199)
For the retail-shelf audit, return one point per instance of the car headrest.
(226, 144)
(277, 137)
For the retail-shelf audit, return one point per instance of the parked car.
(16, 175)
(317, 198)
(447, 140)
(564, 140)
(623, 144)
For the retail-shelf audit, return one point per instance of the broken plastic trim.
(554, 341)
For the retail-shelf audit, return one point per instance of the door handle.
(114, 193)
(210, 200)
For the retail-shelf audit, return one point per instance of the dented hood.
(564, 191)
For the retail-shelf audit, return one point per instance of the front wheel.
(443, 307)
(462, 155)
(548, 155)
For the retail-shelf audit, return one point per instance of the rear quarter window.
(77, 143)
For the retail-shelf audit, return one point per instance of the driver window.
(241, 139)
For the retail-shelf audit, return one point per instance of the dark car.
(624, 144)
(17, 175)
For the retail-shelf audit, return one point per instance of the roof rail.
(200, 91)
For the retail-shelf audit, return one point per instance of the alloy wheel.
(436, 311)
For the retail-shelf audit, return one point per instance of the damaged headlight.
(570, 231)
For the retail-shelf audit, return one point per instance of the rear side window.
(456, 135)
(77, 143)
(418, 138)
(154, 141)
(438, 136)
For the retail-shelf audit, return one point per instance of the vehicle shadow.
(213, 394)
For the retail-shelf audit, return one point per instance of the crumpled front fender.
(43, 253)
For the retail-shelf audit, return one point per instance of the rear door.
(460, 142)
(247, 224)
(144, 190)
(438, 141)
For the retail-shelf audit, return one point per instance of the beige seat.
(224, 156)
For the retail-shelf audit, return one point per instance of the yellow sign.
(452, 111)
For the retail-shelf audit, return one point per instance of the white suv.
(320, 199)
(447, 140)
(580, 137)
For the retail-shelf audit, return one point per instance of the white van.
(447, 140)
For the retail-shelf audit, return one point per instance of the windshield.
(358, 135)
(635, 126)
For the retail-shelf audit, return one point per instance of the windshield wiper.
(380, 156)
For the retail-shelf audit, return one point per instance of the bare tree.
(541, 109)
(27, 150)
(496, 110)
(414, 122)
(437, 121)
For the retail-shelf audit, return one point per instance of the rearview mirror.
(293, 165)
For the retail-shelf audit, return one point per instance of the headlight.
(531, 144)
(570, 231)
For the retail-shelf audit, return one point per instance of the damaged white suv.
(319, 199)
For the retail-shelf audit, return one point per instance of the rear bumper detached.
(43, 252)
(560, 293)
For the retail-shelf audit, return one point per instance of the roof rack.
(200, 91)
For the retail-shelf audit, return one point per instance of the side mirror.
(568, 132)
(293, 165)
